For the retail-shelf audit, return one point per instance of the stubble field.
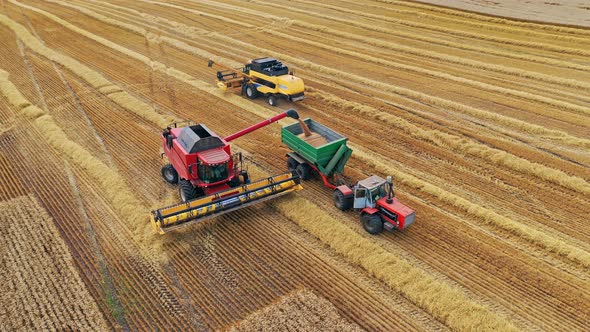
(482, 122)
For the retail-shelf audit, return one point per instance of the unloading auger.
(212, 181)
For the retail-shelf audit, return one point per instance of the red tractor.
(211, 179)
(379, 210)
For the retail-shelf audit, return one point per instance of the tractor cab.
(368, 191)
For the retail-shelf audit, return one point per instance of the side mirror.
(389, 180)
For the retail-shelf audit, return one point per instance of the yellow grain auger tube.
(200, 209)
(262, 77)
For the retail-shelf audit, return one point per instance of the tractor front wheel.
(341, 201)
(251, 91)
(169, 174)
(304, 171)
(372, 223)
(187, 191)
(272, 100)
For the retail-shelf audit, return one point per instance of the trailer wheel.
(272, 100)
(169, 174)
(292, 164)
(187, 191)
(372, 223)
(304, 171)
(341, 201)
(251, 91)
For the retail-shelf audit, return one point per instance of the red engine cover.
(396, 211)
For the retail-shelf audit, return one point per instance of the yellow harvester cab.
(271, 79)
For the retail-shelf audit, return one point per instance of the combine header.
(265, 77)
(211, 180)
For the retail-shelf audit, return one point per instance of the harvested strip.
(111, 182)
(40, 287)
(521, 125)
(298, 311)
(458, 143)
(543, 240)
(94, 78)
(444, 302)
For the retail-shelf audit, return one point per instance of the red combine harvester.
(212, 180)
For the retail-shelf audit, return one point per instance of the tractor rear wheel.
(187, 191)
(169, 174)
(272, 100)
(292, 164)
(251, 91)
(372, 223)
(341, 201)
(304, 171)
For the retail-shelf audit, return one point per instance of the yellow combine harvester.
(266, 77)
(211, 180)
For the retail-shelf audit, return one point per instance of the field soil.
(568, 12)
(483, 123)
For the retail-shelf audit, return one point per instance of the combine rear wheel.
(169, 174)
(187, 191)
(372, 223)
(251, 91)
(342, 202)
(272, 100)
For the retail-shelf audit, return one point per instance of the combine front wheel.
(169, 174)
(372, 223)
(187, 191)
(251, 91)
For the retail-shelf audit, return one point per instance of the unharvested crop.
(300, 310)
(41, 288)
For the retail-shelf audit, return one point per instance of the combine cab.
(266, 77)
(211, 179)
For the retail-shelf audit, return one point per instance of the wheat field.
(483, 122)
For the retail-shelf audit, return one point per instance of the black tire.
(251, 91)
(235, 182)
(187, 191)
(292, 164)
(304, 171)
(169, 174)
(341, 201)
(372, 223)
(272, 100)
